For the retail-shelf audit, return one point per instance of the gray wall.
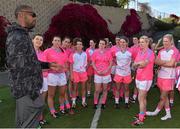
(46, 9)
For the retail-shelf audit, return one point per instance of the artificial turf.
(110, 117)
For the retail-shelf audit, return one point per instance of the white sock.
(168, 111)
(126, 99)
(83, 99)
(134, 96)
(171, 101)
(89, 92)
(157, 110)
(153, 113)
(74, 100)
(117, 100)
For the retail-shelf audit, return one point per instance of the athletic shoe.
(70, 111)
(132, 100)
(43, 122)
(171, 105)
(88, 95)
(73, 105)
(166, 117)
(136, 117)
(137, 122)
(116, 106)
(62, 112)
(103, 106)
(127, 106)
(84, 105)
(55, 115)
(151, 113)
(78, 98)
(95, 106)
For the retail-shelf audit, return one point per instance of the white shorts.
(113, 69)
(45, 85)
(144, 85)
(102, 79)
(57, 79)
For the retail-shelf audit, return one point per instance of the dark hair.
(103, 40)
(117, 36)
(21, 8)
(125, 38)
(75, 40)
(56, 36)
(42, 47)
(66, 37)
(37, 35)
(93, 40)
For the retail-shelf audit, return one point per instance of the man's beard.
(32, 25)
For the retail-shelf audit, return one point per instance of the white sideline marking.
(97, 114)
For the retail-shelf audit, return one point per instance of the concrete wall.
(46, 9)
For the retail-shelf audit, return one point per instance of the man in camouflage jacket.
(25, 69)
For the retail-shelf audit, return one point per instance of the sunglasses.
(33, 14)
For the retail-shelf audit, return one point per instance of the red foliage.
(77, 20)
(132, 24)
(3, 24)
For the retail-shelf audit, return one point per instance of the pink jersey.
(42, 58)
(134, 50)
(79, 61)
(123, 61)
(113, 50)
(89, 52)
(58, 56)
(102, 61)
(145, 73)
(69, 51)
(168, 72)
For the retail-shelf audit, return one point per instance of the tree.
(144, 7)
(123, 3)
(111, 3)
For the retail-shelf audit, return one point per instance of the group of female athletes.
(110, 68)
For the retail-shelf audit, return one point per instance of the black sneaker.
(70, 111)
(88, 95)
(171, 105)
(95, 106)
(127, 106)
(78, 99)
(132, 100)
(55, 115)
(62, 112)
(116, 106)
(84, 105)
(103, 106)
(43, 122)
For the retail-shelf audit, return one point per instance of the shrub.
(132, 24)
(3, 24)
(176, 33)
(162, 26)
(77, 20)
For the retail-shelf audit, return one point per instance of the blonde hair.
(170, 37)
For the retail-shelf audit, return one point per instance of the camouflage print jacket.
(25, 69)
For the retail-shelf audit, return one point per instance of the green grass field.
(110, 117)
